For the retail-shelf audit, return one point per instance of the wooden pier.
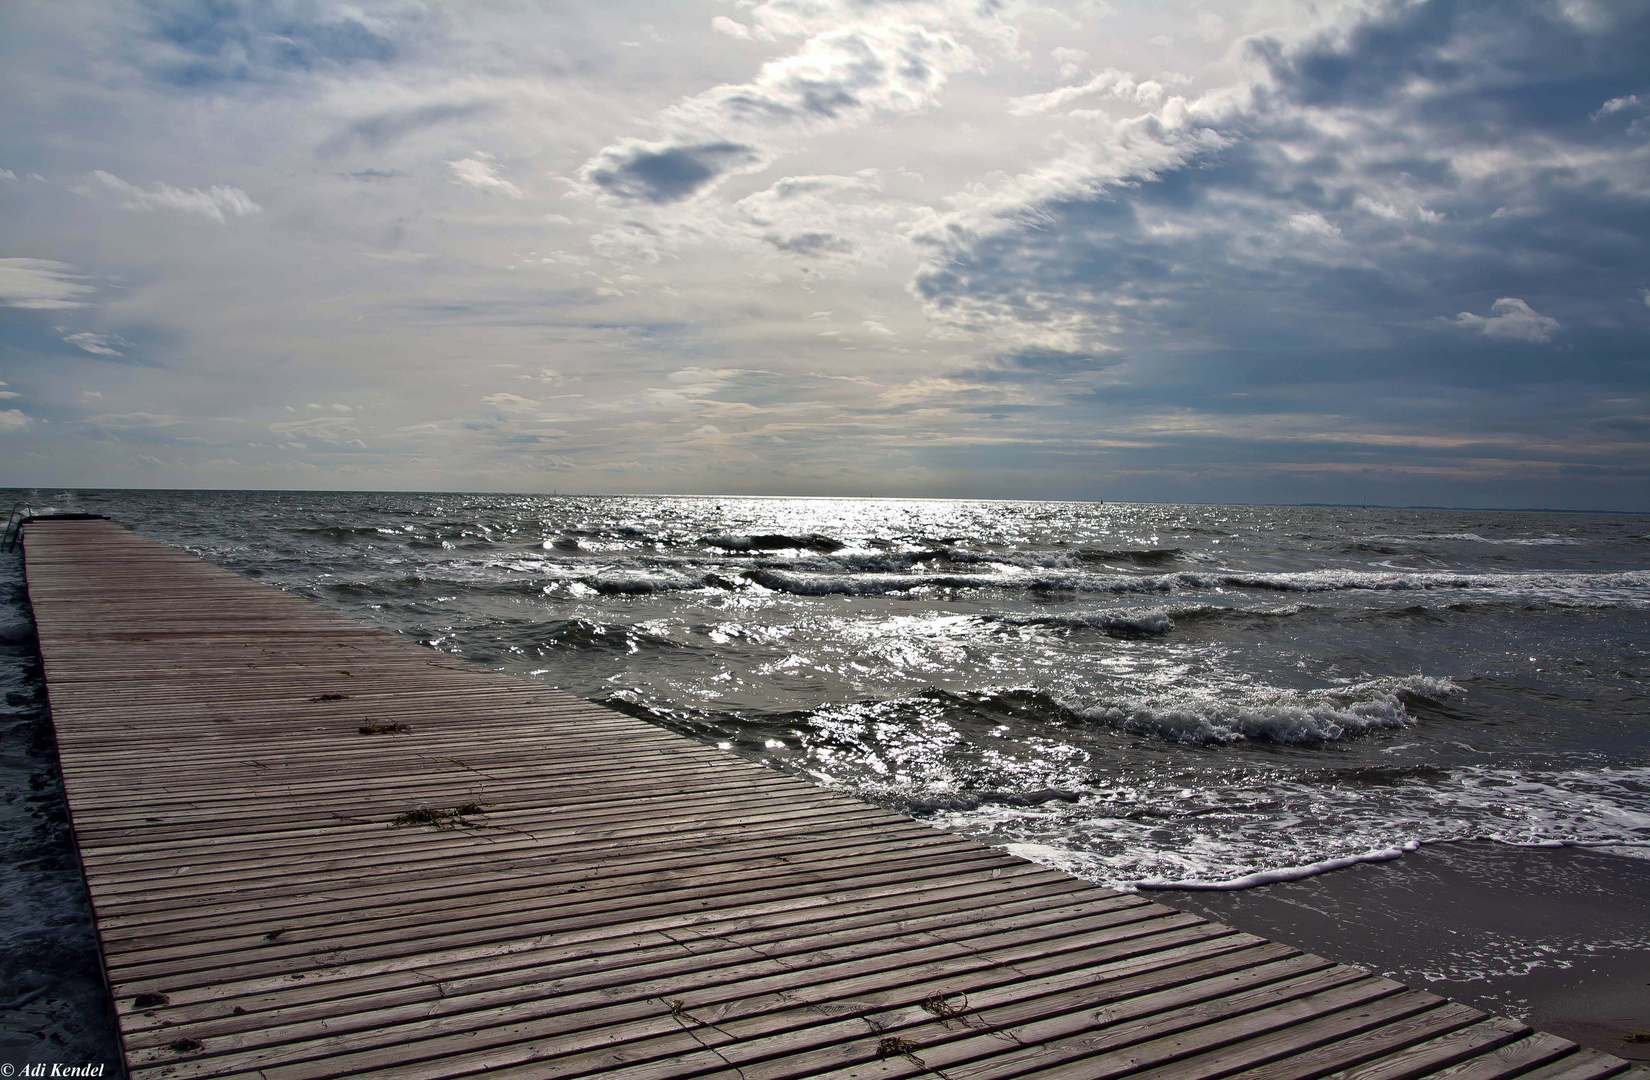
(316, 849)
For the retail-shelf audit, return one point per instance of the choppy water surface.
(1136, 693)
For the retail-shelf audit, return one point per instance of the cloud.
(839, 76)
(1070, 60)
(211, 45)
(1116, 85)
(1614, 105)
(1314, 215)
(98, 344)
(1514, 320)
(724, 25)
(1072, 271)
(663, 172)
(213, 203)
(135, 420)
(332, 430)
(479, 171)
(14, 420)
(812, 216)
(382, 129)
(812, 243)
(41, 284)
(7, 174)
(511, 402)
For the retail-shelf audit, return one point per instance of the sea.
(1148, 696)
(1143, 695)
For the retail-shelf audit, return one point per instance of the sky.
(1267, 251)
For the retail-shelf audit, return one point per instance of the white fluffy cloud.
(217, 202)
(1116, 85)
(1514, 320)
(98, 344)
(480, 171)
(865, 62)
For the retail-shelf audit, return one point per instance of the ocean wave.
(1272, 715)
(1254, 714)
(344, 532)
(641, 582)
(1120, 624)
(853, 559)
(14, 632)
(1475, 538)
(1153, 622)
(587, 635)
(742, 543)
(1406, 580)
(1137, 556)
(563, 542)
(1035, 560)
(815, 583)
(861, 584)
(921, 804)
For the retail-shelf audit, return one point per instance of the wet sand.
(1559, 938)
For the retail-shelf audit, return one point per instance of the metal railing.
(15, 522)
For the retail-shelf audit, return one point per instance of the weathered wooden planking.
(616, 900)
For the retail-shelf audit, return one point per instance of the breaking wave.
(1273, 715)
(1154, 622)
(813, 583)
(1137, 556)
(736, 542)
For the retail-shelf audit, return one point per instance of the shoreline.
(1556, 937)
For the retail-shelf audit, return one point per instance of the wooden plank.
(1435, 1055)
(625, 901)
(1585, 1064)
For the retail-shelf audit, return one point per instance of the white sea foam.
(1471, 537)
(1146, 623)
(1536, 584)
(1048, 560)
(1286, 873)
(1151, 622)
(1269, 714)
(1261, 827)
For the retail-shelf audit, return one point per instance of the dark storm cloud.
(1437, 197)
(659, 173)
(1495, 66)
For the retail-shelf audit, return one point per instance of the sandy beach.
(1556, 937)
